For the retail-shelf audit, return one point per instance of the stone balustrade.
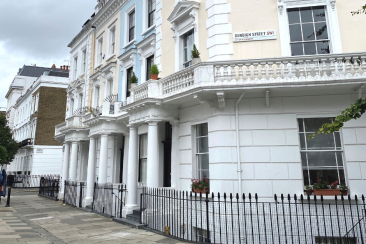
(59, 128)
(284, 71)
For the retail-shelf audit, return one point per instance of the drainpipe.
(238, 141)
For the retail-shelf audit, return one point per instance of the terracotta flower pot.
(198, 191)
(327, 192)
(154, 76)
(344, 193)
(310, 192)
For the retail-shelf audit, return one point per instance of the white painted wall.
(269, 143)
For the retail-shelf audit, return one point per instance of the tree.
(8, 146)
(355, 111)
(362, 10)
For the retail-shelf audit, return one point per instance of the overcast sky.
(37, 32)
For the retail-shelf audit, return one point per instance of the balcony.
(257, 73)
(26, 142)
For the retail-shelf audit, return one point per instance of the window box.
(203, 191)
(327, 192)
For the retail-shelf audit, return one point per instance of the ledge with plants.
(326, 188)
(154, 72)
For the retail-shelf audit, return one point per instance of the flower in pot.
(322, 187)
(344, 190)
(154, 72)
(200, 186)
(308, 190)
(195, 54)
(133, 80)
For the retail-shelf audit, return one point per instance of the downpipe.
(238, 142)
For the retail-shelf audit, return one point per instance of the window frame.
(332, 23)
(128, 84)
(83, 68)
(142, 158)
(112, 40)
(314, 24)
(183, 48)
(151, 12)
(338, 167)
(148, 69)
(75, 70)
(131, 35)
(99, 52)
(198, 168)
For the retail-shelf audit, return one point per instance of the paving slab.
(36, 220)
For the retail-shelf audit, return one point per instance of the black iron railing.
(74, 193)
(109, 199)
(49, 187)
(243, 219)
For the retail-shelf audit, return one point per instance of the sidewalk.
(38, 220)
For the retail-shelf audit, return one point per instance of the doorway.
(167, 155)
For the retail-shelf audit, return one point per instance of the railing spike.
(218, 194)
(250, 196)
(282, 197)
(321, 198)
(295, 197)
(356, 198)
(212, 195)
(363, 197)
(237, 196)
(231, 196)
(288, 197)
(243, 196)
(275, 197)
(256, 197)
(224, 195)
(349, 197)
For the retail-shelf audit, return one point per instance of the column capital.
(153, 122)
(92, 138)
(174, 123)
(105, 135)
(75, 142)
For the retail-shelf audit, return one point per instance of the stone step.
(132, 223)
(133, 217)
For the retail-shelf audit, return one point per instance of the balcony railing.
(284, 71)
(25, 142)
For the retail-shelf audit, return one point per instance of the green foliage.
(8, 146)
(362, 10)
(308, 188)
(355, 111)
(343, 188)
(154, 70)
(195, 53)
(133, 78)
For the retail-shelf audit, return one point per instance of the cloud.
(37, 32)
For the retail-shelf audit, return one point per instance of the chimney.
(67, 67)
(64, 67)
(53, 66)
(61, 67)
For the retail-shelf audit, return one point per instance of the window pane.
(306, 15)
(320, 159)
(341, 176)
(202, 129)
(323, 47)
(203, 165)
(338, 140)
(301, 125)
(303, 159)
(302, 141)
(330, 175)
(308, 32)
(321, 142)
(143, 170)
(143, 146)
(309, 48)
(295, 33)
(306, 177)
(296, 49)
(202, 145)
(313, 124)
(339, 158)
(319, 13)
(321, 31)
(293, 15)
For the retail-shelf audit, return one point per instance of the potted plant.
(344, 190)
(308, 190)
(200, 186)
(154, 72)
(133, 80)
(322, 187)
(195, 54)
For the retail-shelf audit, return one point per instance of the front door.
(167, 155)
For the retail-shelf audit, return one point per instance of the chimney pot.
(61, 67)
(53, 66)
(67, 67)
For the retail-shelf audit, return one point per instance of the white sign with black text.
(254, 36)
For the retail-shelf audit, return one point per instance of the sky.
(37, 32)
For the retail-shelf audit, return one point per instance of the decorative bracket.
(221, 99)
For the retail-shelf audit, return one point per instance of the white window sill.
(147, 30)
(110, 58)
(129, 44)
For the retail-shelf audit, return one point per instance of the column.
(103, 159)
(132, 169)
(65, 168)
(125, 158)
(175, 167)
(91, 172)
(73, 161)
(153, 155)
